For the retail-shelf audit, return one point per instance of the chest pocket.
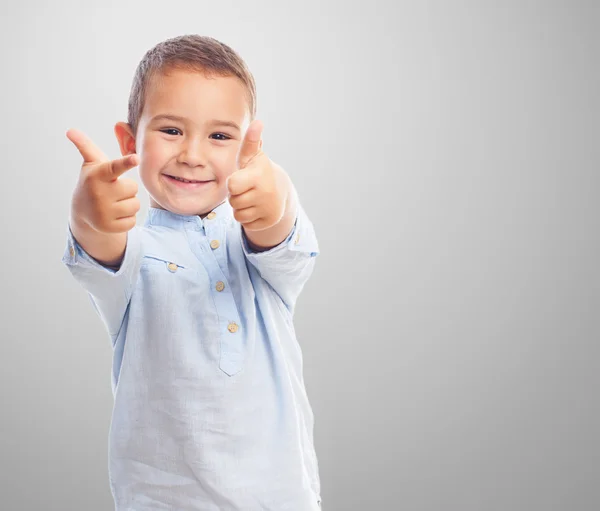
(172, 259)
(168, 271)
(166, 263)
(168, 259)
(170, 264)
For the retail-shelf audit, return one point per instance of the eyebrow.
(213, 122)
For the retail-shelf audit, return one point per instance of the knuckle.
(238, 215)
(234, 202)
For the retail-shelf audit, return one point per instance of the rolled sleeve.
(109, 289)
(287, 266)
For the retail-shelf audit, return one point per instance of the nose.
(193, 153)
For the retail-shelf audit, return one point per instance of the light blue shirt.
(210, 408)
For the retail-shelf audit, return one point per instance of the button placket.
(231, 340)
(215, 233)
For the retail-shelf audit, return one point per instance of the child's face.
(195, 147)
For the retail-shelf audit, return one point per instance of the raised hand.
(101, 199)
(259, 189)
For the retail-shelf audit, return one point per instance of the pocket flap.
(165, 259)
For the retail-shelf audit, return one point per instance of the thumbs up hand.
(260, 190)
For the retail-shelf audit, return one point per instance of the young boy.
(210, 409)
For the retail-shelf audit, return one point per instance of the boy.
(210, 409)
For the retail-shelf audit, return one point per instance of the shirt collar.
(166, 218)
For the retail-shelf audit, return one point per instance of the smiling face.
(191, 128)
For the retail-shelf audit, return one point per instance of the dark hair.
(191, 52)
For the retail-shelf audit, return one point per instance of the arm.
(287, 266)
(106, 248)
(277, 237)
(110, 288)
(103, 247)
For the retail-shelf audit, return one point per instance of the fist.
(102, 200)
(259, 189)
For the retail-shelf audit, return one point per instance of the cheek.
(226, 159)
(154, 150)
(153, 158)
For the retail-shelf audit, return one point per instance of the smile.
(186, 183)
(186, 180)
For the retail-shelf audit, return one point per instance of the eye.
(170, 129)
(222, 135)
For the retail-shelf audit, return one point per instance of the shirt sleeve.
(287, 266)
(109, 289)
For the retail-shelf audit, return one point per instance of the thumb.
(90, 152)
(251, 144)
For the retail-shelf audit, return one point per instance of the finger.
(126, 208)
(88, 150)
(241, 181)
(122, 224)
(251, 144)
(125, 189)
(257, 225)
(244, 200)
(247, 215)
(114, 168)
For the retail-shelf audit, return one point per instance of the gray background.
(447, 154)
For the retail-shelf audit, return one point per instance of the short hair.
(192, 52)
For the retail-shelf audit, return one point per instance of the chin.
(200, 207)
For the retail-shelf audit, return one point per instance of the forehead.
(197, 97)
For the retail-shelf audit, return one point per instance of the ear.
(125, 137)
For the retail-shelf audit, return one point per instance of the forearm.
(106, 248)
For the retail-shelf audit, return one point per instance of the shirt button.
(214, 244)
(211, 215)
(220, 286)
(72, 251)
(172, 267)
(232, 327)
(297, 238)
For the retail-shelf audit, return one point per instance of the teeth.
(185, 180)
